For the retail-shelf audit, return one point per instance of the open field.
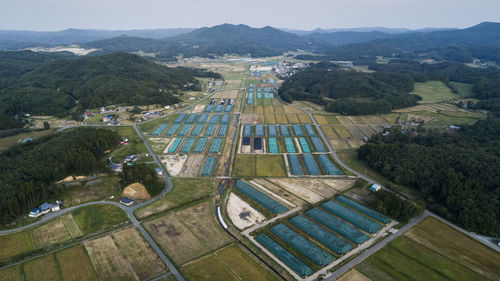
(108, 262)
(255, 165)
(229, 263)
(270, 166)
(298, 189)
(242, 215)
(432, 250)
(183, 191)
(188, 233)
(192, 166)
(279, 191)
(43, 268)
(7, 142)
(94, 218)
(353, 275)
(50, 233)
(10, 274)
(94, 190)
(75, 264)
(463, 89)
(144, 261)
(15, 244)
(433, 91)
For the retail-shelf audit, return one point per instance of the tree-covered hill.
(350, 92)
(458, 175)
(57, 87)
(27, 171)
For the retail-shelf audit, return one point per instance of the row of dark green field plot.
(195, 145)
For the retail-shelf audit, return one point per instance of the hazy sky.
(297, 14)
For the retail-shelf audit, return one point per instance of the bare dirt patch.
(49, 233)
(281, 192)
(136, 191)
(249, 118)
(173, 163)
(241, 213)
(339, 184)
(192, 167)
(296, 187)
(198, 108)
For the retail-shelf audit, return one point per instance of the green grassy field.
(184, 190)
(94, 218)
(75, 264)
(433, 91)
(463, 89)
(229, 263)
(15, 244)
(43, 268)
(10, 274)
(431, 250)
(16, 139)
(244, 165)
(270, 166)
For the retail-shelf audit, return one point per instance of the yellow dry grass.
(342, 132)
(42, 269)
(292, 118)
(75, 264)
(136, 191)
(281, 118)
(304, 118)
(321, 119)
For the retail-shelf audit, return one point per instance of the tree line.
(458, 174)
(28, 171)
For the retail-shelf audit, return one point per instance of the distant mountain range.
(481, 41)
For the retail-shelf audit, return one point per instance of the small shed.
(158, 171)
(375, 187)
(35, 213)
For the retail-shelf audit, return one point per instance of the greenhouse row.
(331, 241)
(338, 226)
(215, 146)
(207, 168)
(349, 215)
(301, 244)
(367, 211)
(260, 198)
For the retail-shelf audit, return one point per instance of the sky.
(51, 15)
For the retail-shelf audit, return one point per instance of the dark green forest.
(63, 86)
(458, 174)
(28, 171)
(353, 93)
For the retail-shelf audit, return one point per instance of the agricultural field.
(463, 89)
(15, 244)
(43, 268)
(94, 218)
(10, 274)
(93, 190)
(228, 263)
(184, 190)
(188, 233)
(254, 165)
(75, 264)
(432, 250)
(433, 92)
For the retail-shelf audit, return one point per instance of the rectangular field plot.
(367, 211)
(331, 241)
(317, 144)
(310, 130)
(159, 129)
(347, 214)
(180, 118)
(171, 131)
(208, 166)
(270, 166)
(327, 165)
(174, 145)
(214, 119)
(271, 131)
(188, 143)
(222, 130)
(191, 118)
(11, 274)
(247, 130)
(337, 226)
(215, 146)
(304, 146)
(286, 257)
(43, 269)
(203, 119)
(301, 244)
(224, 119)
(294, 163)
(218, 108)
(184, 130)
(209, 131)
(290, 147)
(284, 132)
(75, 264)
(273, 145)
(197, 130)
(144, 261)
(209, 108)
(310, 164)
(260, 198)
(200, 145)
(259, 130)
(188, 233)
(297, 130)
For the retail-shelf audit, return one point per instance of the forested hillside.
(57, 87)
(27, 171)
(353, 93)
(457, 174)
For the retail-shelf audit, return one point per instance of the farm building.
(375, 187)
(126, 201)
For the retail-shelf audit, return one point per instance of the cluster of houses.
(146, 115)
(45, 208)
(286, 69)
